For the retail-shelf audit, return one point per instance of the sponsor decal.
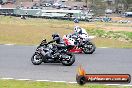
(83, 78)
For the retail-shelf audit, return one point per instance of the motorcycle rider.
(81, 34)
(60, 44)
(56, 38)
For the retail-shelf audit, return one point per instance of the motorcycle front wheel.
(36, 59)
(69, 60)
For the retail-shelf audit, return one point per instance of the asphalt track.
(15, 63)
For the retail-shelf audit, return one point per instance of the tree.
(129, 1)
(123, 5)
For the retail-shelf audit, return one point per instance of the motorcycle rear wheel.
(70, 61)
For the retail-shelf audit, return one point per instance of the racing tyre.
(36, 59)
(89, 48)
(68, 61)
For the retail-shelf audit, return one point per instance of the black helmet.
(55, 35)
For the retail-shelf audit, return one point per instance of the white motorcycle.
(79, 43)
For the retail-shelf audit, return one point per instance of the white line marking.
(23, 79)
(72, 82)
(59, 81)
(9, 44)
(42, 80)
(6, 78)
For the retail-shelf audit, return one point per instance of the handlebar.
(44, 42)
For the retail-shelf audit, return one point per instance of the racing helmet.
(77, 29)
(55, 35)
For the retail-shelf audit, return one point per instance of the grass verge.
(32, 84)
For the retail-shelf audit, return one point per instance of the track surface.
(15, 63)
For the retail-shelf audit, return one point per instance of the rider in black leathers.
(60, 44)
(58, 40)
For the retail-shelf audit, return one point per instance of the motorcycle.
(51, 53)
(77, 44)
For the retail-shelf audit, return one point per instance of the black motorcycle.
(52, 53)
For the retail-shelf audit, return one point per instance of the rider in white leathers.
(81, 32)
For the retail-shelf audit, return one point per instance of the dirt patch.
(120, 18)
(110, 28)
(28, 34)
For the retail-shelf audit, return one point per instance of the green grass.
(31, 31)
(32, 84)
(105, 42)
(117, 35)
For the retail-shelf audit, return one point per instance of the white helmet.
(77, 29)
